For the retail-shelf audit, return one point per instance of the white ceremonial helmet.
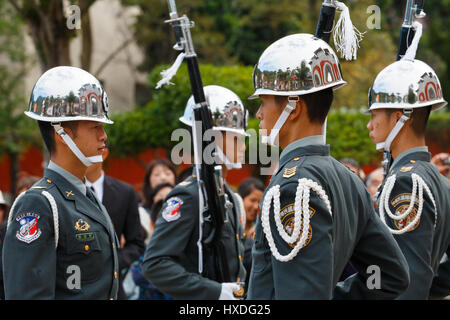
(69, 94)
(292, 66)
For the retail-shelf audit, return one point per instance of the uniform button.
(240, 258)
(113, 245)
(296, 158)
(49, 181)
(237, 236)
(86, 247)
(413, 161)
(115, 274)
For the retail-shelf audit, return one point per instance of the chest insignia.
(81, 225)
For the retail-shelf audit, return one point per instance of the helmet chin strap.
(272, 138)
(222, 157)
(87, 161)
(386, 145)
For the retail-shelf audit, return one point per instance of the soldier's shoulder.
(31, 200)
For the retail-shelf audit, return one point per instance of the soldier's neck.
(298, 131)
(71, 164)
(404, 141)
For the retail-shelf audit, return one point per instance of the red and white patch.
(172, 210)
(28, 229)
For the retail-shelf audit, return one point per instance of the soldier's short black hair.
(318, 104)
(419, 119)
(48, 135)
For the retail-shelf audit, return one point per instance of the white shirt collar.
(98, 186)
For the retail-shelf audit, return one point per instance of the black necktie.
(90, 194)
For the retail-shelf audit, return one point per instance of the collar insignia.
(289, 172)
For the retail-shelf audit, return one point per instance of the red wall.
(131, 169)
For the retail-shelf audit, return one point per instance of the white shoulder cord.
(53, 206)
(301, 209)
(418, 185)
(52, 202)
(10, 217)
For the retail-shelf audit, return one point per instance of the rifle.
(414, 8)
(213, 201)
(326, 20)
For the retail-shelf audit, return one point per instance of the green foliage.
(17, 130)
(348, 137)
(152, 126)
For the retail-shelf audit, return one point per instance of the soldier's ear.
(299, 110)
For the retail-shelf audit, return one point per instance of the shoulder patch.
(401, 204)
(287, 219)
(172, 210)
(28, 228)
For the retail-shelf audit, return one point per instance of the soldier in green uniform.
(414, 199)
(175, 260)
(60, 242)
(316, 215)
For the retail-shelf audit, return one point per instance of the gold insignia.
(289, 172)
(38, 187)
(49, 181)
(412, 161)
(287, 219)
(406, 169)
(296, 159)
(81, 225)
(69, 193)
(185, 183)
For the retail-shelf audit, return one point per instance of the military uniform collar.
(418, 153)
(68, 176)
(309, 146)
(311, 140)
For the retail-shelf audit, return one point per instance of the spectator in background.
(353, 165)
(121, 202)
(159, 171)
(251, 191)
(26, 182)
(374, 179)
(441, 161)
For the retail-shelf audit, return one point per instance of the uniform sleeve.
(29, 254)
(382, 271)
(440, 287)
(309, 275)
(173, 231)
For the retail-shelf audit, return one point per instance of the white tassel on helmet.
(410, 53)
(345, 35)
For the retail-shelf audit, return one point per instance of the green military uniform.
(80, 229)
(424, 234)
(343, 226)
(171, 260)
